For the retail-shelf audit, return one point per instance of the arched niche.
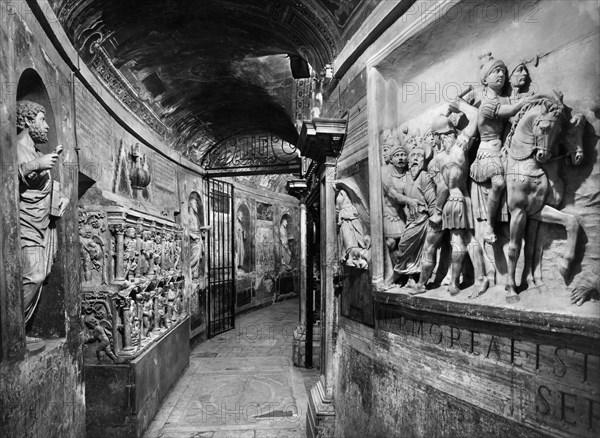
(243, 239)
(48, 318)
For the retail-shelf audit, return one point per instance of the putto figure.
(38, 235)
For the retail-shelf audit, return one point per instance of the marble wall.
(517, 368)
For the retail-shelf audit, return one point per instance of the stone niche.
(480, 334)
(135, 310)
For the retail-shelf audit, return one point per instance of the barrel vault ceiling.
(206, 70)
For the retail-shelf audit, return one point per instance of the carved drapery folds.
(133, 288)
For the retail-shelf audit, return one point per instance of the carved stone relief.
(354, 242)
(133, 287)
(488, 205)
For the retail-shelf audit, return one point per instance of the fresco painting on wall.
(264, 212)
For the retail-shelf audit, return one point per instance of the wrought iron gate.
(221, 281)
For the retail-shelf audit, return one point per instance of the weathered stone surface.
(122, 399)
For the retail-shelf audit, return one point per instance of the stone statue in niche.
(40, 202)
(286, 251)
(241, 238)
(354, 244)
(97, 332)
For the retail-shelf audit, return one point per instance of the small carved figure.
(157, 253)
(148, 319)
(171, 310)
(147, 254)
(92, 253)
(131, 253)
(161, 322)
(177, 254)
(97, 332)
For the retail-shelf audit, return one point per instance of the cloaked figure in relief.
(353, 242)
(38, 232)
(394, 201)
(241, 235)
(147, 254)
(487, 171)
(453, 207)
(286, 251)
(416, 191)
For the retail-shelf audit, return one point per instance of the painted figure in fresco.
(353, 243)
(286, 251)
(487, 171)
(455, 205)
(97, 332)
(38, 234)
(241, 235)
(417, 186)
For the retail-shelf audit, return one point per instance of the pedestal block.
(122, 399)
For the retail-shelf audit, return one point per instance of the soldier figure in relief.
(487, 171)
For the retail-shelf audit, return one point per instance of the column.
(328, 268)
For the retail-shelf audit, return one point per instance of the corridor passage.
(241, 383)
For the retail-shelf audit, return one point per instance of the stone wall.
(42, 393)
(436, 365)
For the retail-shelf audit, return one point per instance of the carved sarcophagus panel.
(133, 287)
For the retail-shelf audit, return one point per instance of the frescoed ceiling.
(202, 71)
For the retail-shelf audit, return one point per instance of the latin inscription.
(563, 383)
(165, 174)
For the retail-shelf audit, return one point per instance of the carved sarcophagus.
(132, 283)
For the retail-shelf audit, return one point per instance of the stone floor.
(241, 383)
